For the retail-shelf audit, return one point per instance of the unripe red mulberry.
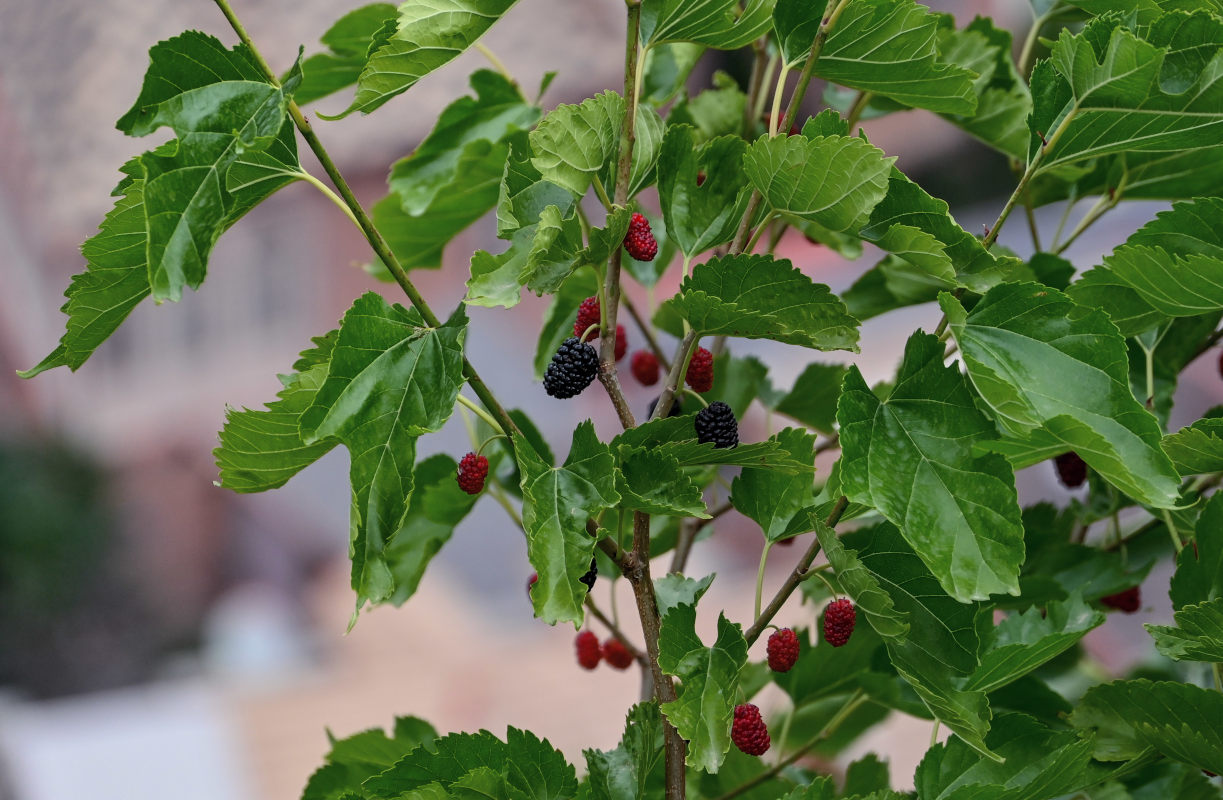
(616, 654)
(748, 731)
(639, 241)
(782, 650)
(839, 619)
(700, 371)
(589, 653)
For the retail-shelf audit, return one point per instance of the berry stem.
(497, 63)
(760, 53)
(601, 191)
(1176, 537)
(615, 631)
(488, 441)
(779, 89)
(482, 414)
(675, 377)
(494, 491)
(855, 111)
(330, 195)
(764, 559)
(704, 402)
(372, 235)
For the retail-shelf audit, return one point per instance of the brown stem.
(683, 544)
(794, 578)
(760, 51)
(831, 443)
(675, 376)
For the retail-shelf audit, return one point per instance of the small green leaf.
(714, 23)
(652, 481)
(1022, 642)
(1199, 567)
(1040, 361)
(666, 71)
(709, 677)
(1198, 448)
(883, 46)
(555, 505)
(867, 775)
(355, 758)
(759, 297)
(779, 503)
(674, 590)
(1003, 101)
(833, 180)
(634, 770)
(716, 111)
(424, 37)
(1101, 288)
(391, 380)
(575, 143)
(813, 400)
(703, 216)
(1198, 635)
(262, 450)
(677, 437)
(1177, 719)
(912, 458)
(350, 41)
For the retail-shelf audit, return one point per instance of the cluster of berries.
(590, 652)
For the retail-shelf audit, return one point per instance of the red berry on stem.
(621, 342)
(616, 654)
(839, 619)
(644, 366)
(1128, 601)
(700, 371)
(639, 241)
(531, 582)
(588, 314)
(1071, 469)
(473, 469)
(782, 650)
(748, 731)
(589, 653)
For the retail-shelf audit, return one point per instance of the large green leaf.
(1105, 90)
(1022, 642)
(634, 770)
(813, 400)
(1003, 101)
(1198, 448)
(652, 481)
(555, 504)
(912, 458)
(709, 678)
(713, 112)
(706, 215)
(759, 297)
(1199, 568)
(262, 450)
(779, 503)
(221, 107)
(1040, 763)
(391, 380)
(350, 41)
(573, 144)
(355, 758)
(1198, 635)
(1041, 362)
(714, 23)
(919, 228)
(883, 46)
(1101, 288)
(425, 36)
(1177, 719)
(833, 180)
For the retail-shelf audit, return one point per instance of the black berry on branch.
(717, 424)
(1071, 469)
(473, 469)
(616, 654)
(677, 408)
(1128, 601)
(782, 650)
(589, 653)
(588, 314)
(639, 241)
(573, 368)
(700, 371)
(839, 619)
(748, 731)
(644, 366)
(591, 574)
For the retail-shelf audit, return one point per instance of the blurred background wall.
(156, 631)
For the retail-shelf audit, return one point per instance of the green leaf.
(525, 194)
(919, 228)
(738, 381)
(867, 775)
(779, 503)
(1199, 567)
(573, 144)
(674, 590)
(114, 282)
(677, 437)
(262, 450)
(350, 41)
(391, 380)
(652, 481)
(222, 108)
(887, 47)
(759, 297)
(1041, 362)
(666, 71)
(716, 111)
(1003, 101)
(813, 400)
(1198, 448)
(1022, 642)
(1040, 763)
(833, 180)
(424, 37)
(1166, 779)
(709, 677)
(438, 506)
(701, 217)
(555, 505)
(1176, 719)
(1198, 635)
(721, 24)
(912, 458)
(1104, 90)
(355, 758)
(823, 671)
(634, 770)
(1101, 288)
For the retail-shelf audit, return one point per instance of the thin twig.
(616, 632)
(647, 330)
